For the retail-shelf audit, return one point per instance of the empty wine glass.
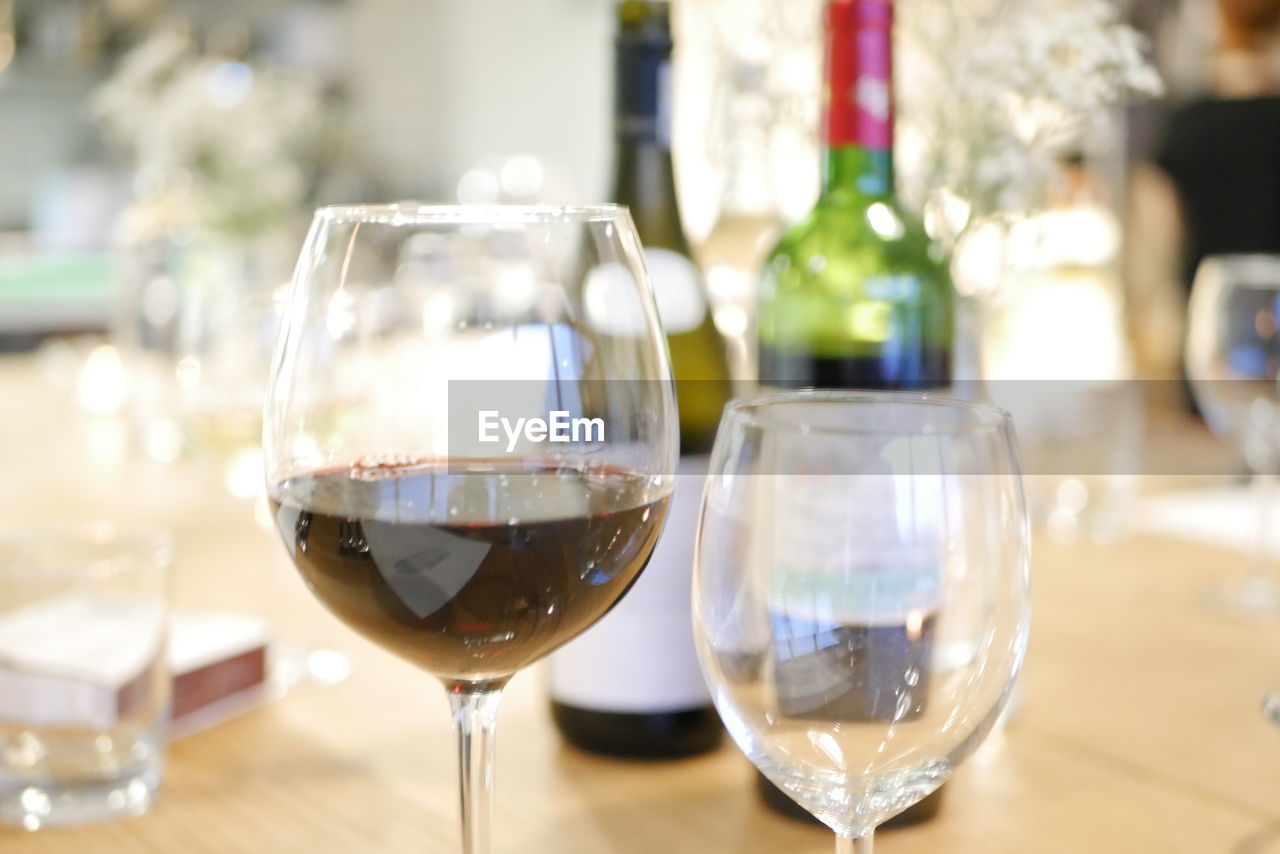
(1233, 361)
(861, 593)
(440, 511)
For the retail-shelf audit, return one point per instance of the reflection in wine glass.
(860, 593)
(221, 377)
(228, 317)
(1233, 361)
(433, 512)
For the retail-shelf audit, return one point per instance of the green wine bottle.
(631, 686)
(858, 296)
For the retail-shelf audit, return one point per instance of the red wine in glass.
(469, 569)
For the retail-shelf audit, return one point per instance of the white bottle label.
(857, 550)
(613, 304)
(859, 532)
(677, 290)
(640, 658)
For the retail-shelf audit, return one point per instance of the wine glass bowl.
(496, 471)
(1233, 351)
(860, 592)
(1233, 363)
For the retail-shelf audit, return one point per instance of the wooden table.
(1139, 727)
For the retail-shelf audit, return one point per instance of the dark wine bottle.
(858, 296)
(631, 685)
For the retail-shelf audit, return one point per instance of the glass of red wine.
(860, 593)
(500, 475)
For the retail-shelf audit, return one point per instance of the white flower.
(217, 144)
(990, 92)
(994, 90)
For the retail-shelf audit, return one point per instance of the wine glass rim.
(1246, 269)
(753, 410)
(58, 550)
(413, 213)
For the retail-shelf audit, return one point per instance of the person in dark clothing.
(1223, 156)
(1214, 187)
(1222, 150)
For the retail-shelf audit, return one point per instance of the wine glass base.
(1255, 598)
(294, 665)
(1271, 706)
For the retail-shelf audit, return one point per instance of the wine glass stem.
(475, 714)
(850, 845)
(1264, 496)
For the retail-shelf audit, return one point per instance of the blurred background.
(75, 154)
(374, 100)
(1078, 159)
(159, 160)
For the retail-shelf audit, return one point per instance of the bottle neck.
(642, 91)
(644, 181)
(854, 171)
(858, 126)
(644, 176)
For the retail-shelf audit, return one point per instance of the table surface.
(1138, 728)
